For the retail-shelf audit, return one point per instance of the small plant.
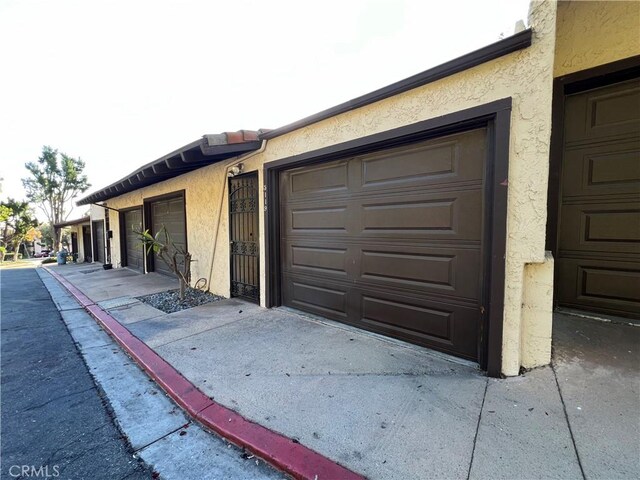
(176, 257)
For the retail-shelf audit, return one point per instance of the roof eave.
(192, 156)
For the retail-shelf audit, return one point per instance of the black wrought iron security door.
(245, 249)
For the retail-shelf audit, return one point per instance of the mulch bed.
(169, 301)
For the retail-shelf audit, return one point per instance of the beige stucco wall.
(589, 34)
(204, 200)
(595, 33)
(81, 253)
(526, 76)
(537, 309)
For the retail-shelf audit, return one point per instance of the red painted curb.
(282, 452)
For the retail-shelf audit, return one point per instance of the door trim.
(496, 116)
(146, 221)
(600, 76)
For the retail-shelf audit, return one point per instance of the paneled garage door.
(598, 263)
(391, 241)
(168, 213)
(134, 251)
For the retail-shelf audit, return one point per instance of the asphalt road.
(55, 423)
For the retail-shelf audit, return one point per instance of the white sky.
(120, 83)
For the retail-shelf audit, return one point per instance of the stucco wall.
(203, 200)
(589, 34)
(526, 76)
(595, 33)
(537, 309)
(78, 230)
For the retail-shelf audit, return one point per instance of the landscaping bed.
(169, 301)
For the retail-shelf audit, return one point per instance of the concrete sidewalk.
(387, 409)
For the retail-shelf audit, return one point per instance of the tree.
(5, 213)
(19, 224)
(56, 179)
(175, 256)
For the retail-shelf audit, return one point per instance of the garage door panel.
(613, 168)
(429, 270)
(600, 284)
(425, 270)
(451, 328)
(317, 259)
(601, 227)
(315, 181)
(442, 215)
(603, 112)
(322, 298)
(452, 159)
(315, 221)
(412, 319)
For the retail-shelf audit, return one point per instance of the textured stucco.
(525, 76)
(537, 309)
(202, 197)
(78, 230)
(595, 33)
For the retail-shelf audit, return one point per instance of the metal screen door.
(243, 231)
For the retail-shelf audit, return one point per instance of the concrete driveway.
(384, 408)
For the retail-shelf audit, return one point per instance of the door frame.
(496, 117)
(249, 174)
(123, 240)
(147, 221)
(583, 80)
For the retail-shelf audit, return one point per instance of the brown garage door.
(168, 213)
(98, 241)
(391, 241)
(598, 264)
(133, 249)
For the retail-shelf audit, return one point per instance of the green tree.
(19, 224)
(56, 179)
(174, 256)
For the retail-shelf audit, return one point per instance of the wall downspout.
(235, 162)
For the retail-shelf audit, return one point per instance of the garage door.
(134, 251)
(598, 264)
(168, 213)
(391, 241)
(98, 241)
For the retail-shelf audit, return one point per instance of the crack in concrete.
(186, 425)
(475, 437)
(566, 418)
